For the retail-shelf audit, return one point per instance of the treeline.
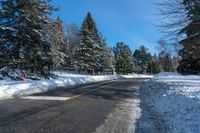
(141, 61)
(32, 43)
(87, 52)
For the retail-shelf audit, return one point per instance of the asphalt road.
(97, 107)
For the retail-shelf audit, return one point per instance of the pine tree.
(73, 40)
(190, 62)
(165, 62)
(57, 39)
(106, 60)
(141, 60)
(22, 31)
(136, 61)
(165, 56)
(88, 52)
(10, 43)
(144, 62)
(122, 55)
(153, 65)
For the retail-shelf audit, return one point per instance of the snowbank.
(20, 88)
(137, 76)
(175, 100)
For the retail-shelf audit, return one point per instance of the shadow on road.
(84, 114)
(113, 90)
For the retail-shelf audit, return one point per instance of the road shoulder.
(129, 116)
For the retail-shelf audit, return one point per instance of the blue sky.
(129, 21)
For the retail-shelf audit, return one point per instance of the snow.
(137, 76)
(175, 99)
(10, 88)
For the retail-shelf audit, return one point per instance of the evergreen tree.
(165, 62)
(136, 61)
(141, 60)
(73, 40)
(107, 60)
(144, 62)
(153, 65)
(88, 52)
(22, 31)
(122, 56)
(57, 39)
(190, 62)
(10, 44)
(165, 56)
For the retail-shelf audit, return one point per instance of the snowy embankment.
(27, 87)
(175, 100)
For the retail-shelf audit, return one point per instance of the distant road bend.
(106, 107)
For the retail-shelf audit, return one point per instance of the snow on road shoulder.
(21, 88)
(137, 76)
(176, 101)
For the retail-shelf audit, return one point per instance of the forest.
(33, 44)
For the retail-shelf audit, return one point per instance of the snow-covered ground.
(175, 100)
(10, 88)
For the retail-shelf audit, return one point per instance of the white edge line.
(46, 98)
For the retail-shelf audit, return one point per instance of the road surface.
(106, 107)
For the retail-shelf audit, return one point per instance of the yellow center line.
(63, 98)
(87, 92)
(83, 93)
